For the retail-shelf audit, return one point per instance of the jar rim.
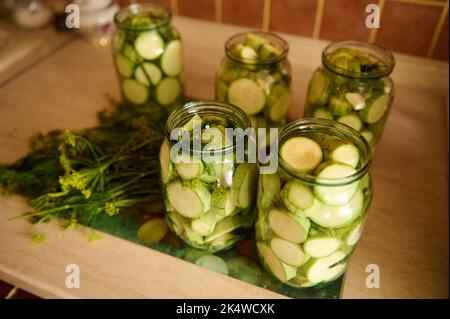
(337, 129)
(198, 107)
(270, 35)
(378, 51)
(135, 8)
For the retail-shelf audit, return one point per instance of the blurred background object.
(416, 27)
(96, 20)
(32, 13)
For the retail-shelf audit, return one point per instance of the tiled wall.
(417, 27)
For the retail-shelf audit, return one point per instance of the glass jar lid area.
(145, 16)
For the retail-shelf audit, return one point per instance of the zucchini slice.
(368, 135)
(164, 160)
(149, 45)
(335, 195)
(168, 91)
(351, 120)
(153, 231)
(318, 89)
(248, 53)
(124, 66)
(326, 268)
(297, 197)
(148, 73)
(134, 91)
(222, 200)
(290, 253)
(213, 263)
(190, 201)
(321, 246)
(339, 106)
(244, 185)
(188, 168)
(270, 190)
(279, 269)
(375, 109)
(323, 113)
(280, 107)
(301, 153)
(248, 95)
(255, 41)
(336, 216)
(172, 59)
(205, 224)
(340, 151)
(225, 226)
(354, 234)
(288, 226)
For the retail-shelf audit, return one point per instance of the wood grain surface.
(407, 230)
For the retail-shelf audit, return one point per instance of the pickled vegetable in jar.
(353, 87)
(255, 75)
(312, 210)
(209, 196)
(148, 55)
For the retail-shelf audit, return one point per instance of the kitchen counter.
(406, 234)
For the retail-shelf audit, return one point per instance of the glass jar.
(312, 210)
(255, 75)
(209, 194)
(148, 55)
(353, 87)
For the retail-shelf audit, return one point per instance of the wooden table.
(407, 229)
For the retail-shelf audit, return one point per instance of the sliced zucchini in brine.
(323, 113)
(279, 269)
(339, 151)
(375, 109)
(248, 95)
(318, 89)
(148, 73)
(244, 184)
(172, 59)
(149, 45)
(190, 201)
(134, 92)
(336, 216)
(351, 120)
(290, 253)
(326, 268)
(301, 153)
(124, 66)
(288, 226)
(321, 246)
(297, 197)
(168, 91)
(335, 195)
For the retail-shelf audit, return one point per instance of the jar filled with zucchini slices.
(148, 55)
(209, 191)
(312, 210)
(353, 87)
(255, 75)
